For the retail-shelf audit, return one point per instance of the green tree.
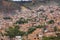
(26, 34)
(7, 18)
(21, 21)
(51, 38)
(51, 21)
(55, 28)
(32, 29)
(40, 26)
(46, 38)
(13, 31)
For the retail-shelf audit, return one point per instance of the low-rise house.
(49, 34)
(18, 38)
(36, 34)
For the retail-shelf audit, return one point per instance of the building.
(21, 0)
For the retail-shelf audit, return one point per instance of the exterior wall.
(18, 38)
(48, 34)
(4, 38)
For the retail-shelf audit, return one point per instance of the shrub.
(39, 26)
(51, 21)
(7, 18)
(14, 31)
(32, 29)
(21, 21)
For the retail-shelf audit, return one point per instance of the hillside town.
(21, 22)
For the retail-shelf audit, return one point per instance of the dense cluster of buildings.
(39, 16)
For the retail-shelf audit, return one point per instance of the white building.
(18, 38)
